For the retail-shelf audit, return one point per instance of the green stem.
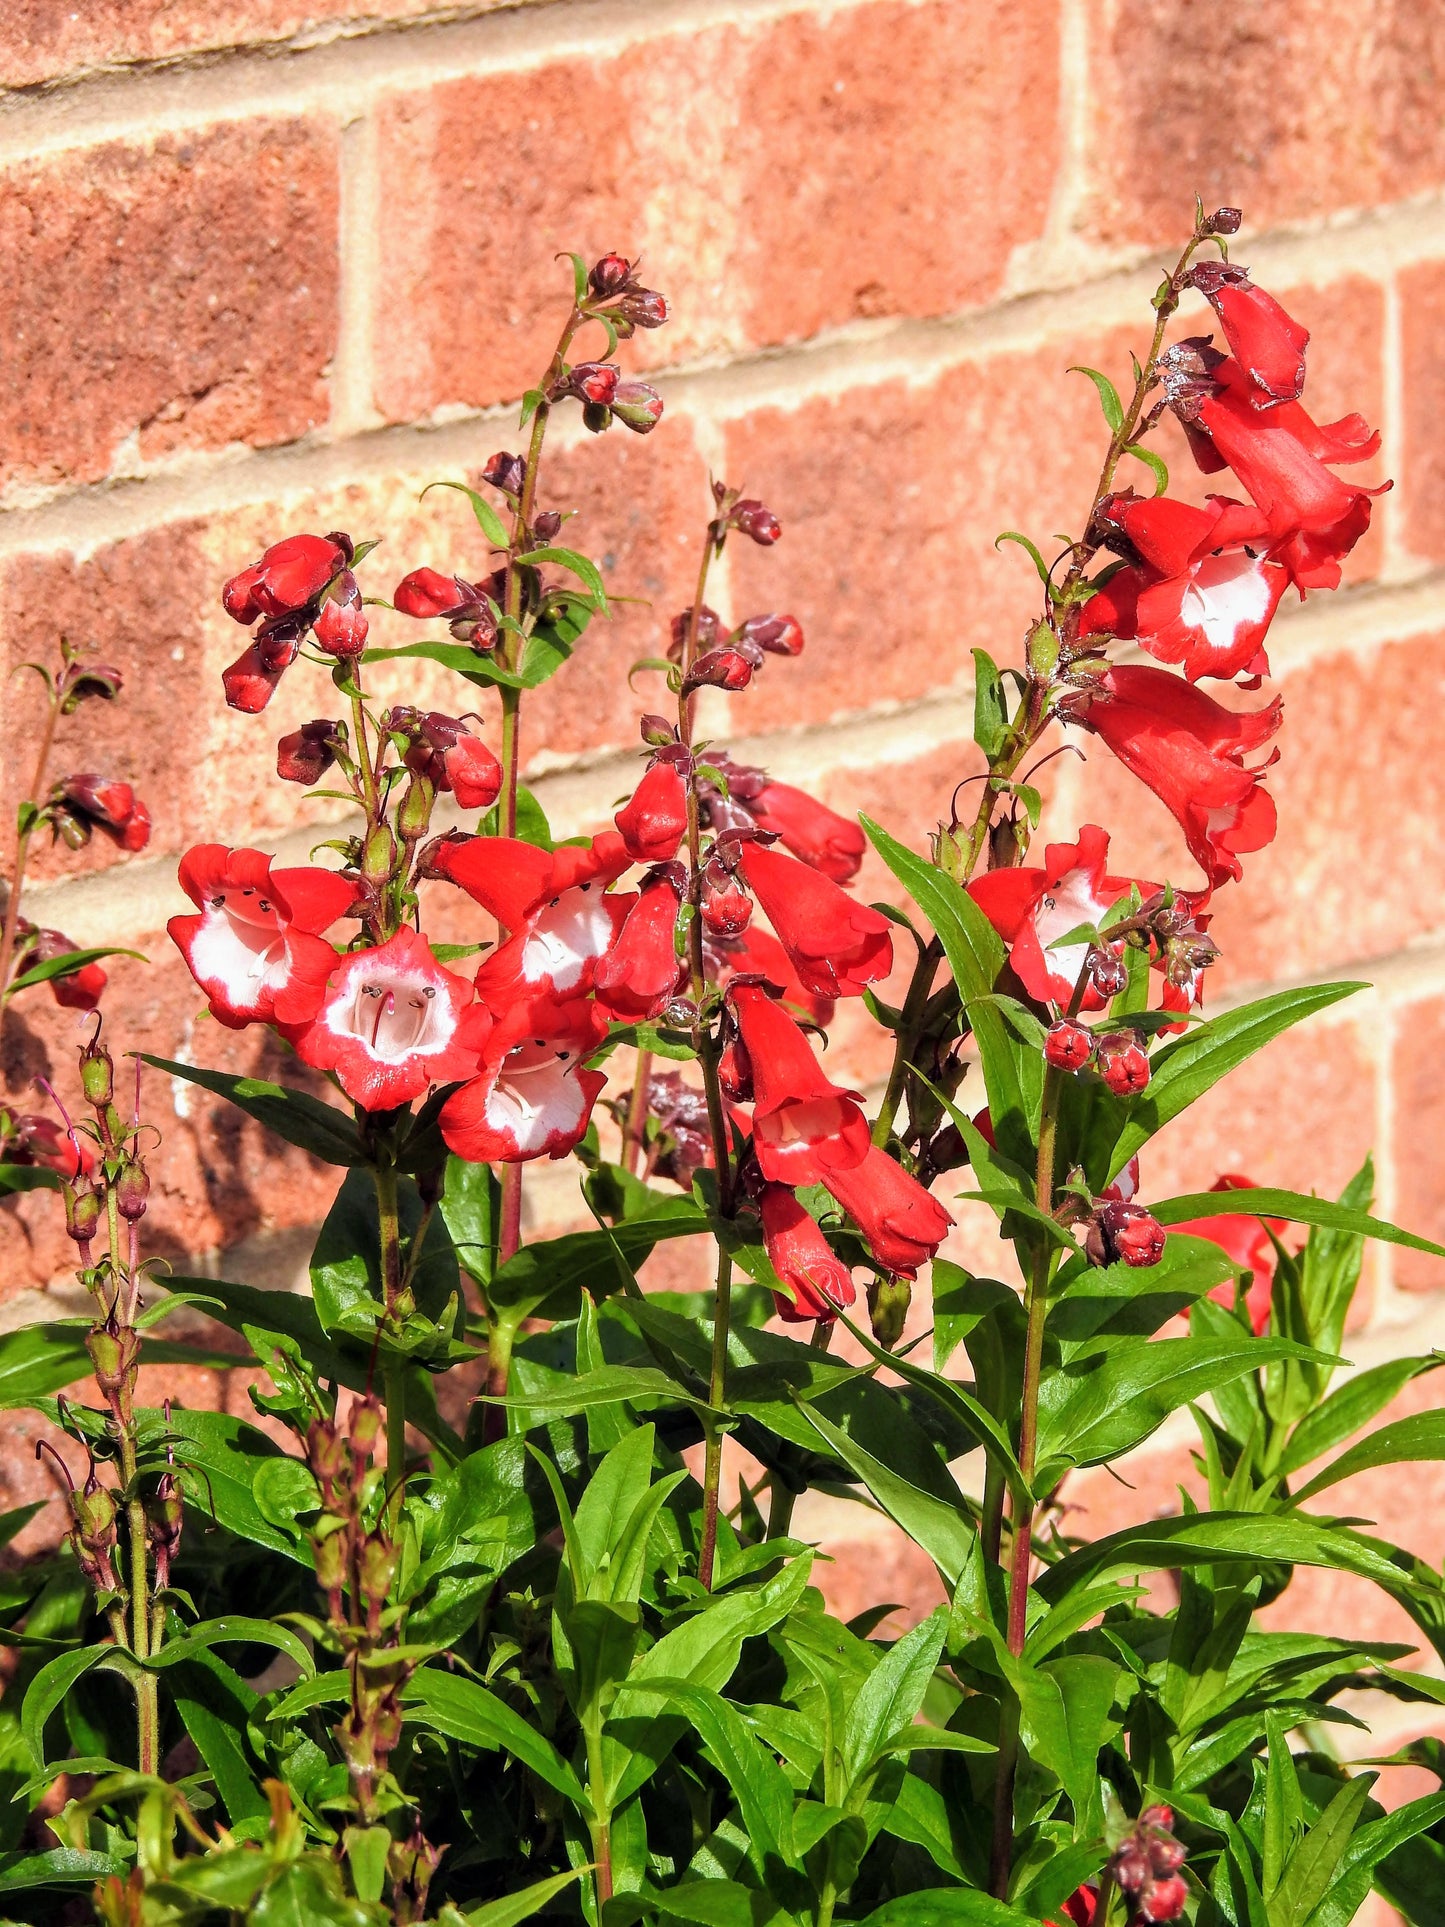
(393, 1363)
(148, 1723)
(920, 987)
(635, 1129)
(717, 1397)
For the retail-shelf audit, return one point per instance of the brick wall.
(278, 265)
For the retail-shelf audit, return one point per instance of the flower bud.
(657, 731)
(249, 684)
(307, 753)
(473, 773)
(594, 382)
(637, 406)
(719, 669)
(132, 1188)
(1123, 1064)
(546, 525)
(83, 681)
(73, 832)
(610, 275)
(726, 908)
(506, 472)
(111, 806)
(779, 635)
(378, 1568)
(114, 1355)
(379, 855)
(365, 1426)
(82, 1210)
(644, 308)
(1107, 970)
(735, 1072)
(330, 1552)
(97, 1074)
(652, 823)
(709, 627)
(1068, 1046)
(1224, 220)
(888, 1302)
(340, 629)
(1122, 1233)
(752, 519)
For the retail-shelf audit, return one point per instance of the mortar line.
(353, 409)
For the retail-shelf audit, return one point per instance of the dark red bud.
(1224, 220)
(610, 275)
(1123, 1064)
(593, 381)
(132, 1188)
(657, 731)
(637, 406)
(81, 682)
(1124, 1234)
(546, 525)
(753, 519)
(727, 909)
(1107, 970)
(709, 627)
(1068, 1047)
(719, 669)
(779, 635)
(307, 753)
(644, 308)
(506, 472)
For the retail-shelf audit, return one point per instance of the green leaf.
(37, 1360)
(547, 1279)
(231, 1631)
(1108, 396)
(611, 1385)
(585, 570)
(892, 1694)
(27, 1177)
(961, 1303)
(1151, 461)
(1351, 1407)
(1183, 1071)
(749, 1769)
(942, 1530)
(521, 1905)
(1420, 1435)
(346, 1264)
(66, 965)
(452, 1704)
(214, 1705)
(488, 520)
(49, 1687)
(296, 1116)
(990, 712)
(59, 1867)
(1029, 548)
(1294, 1207)
(944, 1906)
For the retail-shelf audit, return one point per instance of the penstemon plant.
(352, 1664)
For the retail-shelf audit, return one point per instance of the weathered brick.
(178, 295)
(677, 150)
(1287, 112)
(1419, 1118)
(45, 39)
(1422, 459)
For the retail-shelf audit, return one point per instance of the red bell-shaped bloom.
(757, 953)
(805, 1127)
(532, 1096)
(1080, 1909)
(838, 947)
(653, 822)
(256, 948)
(250, 682)
(820, 1284)
(291, 574)
(1202, 595)
(1286, 462)
(1190, 751)
(474, 776)
(903, 1224)
(554, 903)
(390, 1024)
(1247, 1241)
(813, 832)
(1267, 343)
(640, 973)
(1032, 908)
(108, 805)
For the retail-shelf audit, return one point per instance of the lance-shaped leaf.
(1293, 1206)
(1420, 1435)
(303, 1120)
(1351, 1407)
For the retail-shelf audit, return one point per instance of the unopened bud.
(114, 1354)
(546, 525)
(657, 731)
(592, 381)
(506, 472)
(132, 1189)
(97, 1074)
(637, 406)
(727, 909)
(307, 753)
(753, 519)
(644, 308)
(596, 417)
(888, 1302)
(1224, 220)
(82, 682)
(340, 629)
(379, 855)
(1108, 972)
(1068, 1046)
(610, 275)
(378, 1568)
(1123, 1063)
(82, 1210)
(414, 816)
(1122, 1233)
(330, 1553)
(719, 669)
(779, 635)
(365, 1426)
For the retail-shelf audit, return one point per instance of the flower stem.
(717, 1393)
(634, 1130)
(393, 1361)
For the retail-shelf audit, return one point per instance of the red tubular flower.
(1190, 751)
(820, 1283)
(553, 902)
(640, 973)
(757, 953)
(1202, 595)
(1081, 1908)
(83, 988)
(28, 1138)
(390, 1024)
(250, 682)
(290, 574)
(804, 1126)
(1247, 1241)
(813, 832)
(1268, 343)
(837, 946)
(727, 909)
(531, 1096)
(903, 1224)
(1032, 908)
(111, 806)
(305, 754)
(425, 594)
(1286, 462)
(473, 774)
(653, 821)
(256, 948)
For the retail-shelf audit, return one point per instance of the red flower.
(553, 902)
(289, 576)
(256, 948)
(820, 1283)
(1032, 908)
(809, 829)
(757, 953)
(1202, 594)
(719, 669)
(250, 681)
(1247, 1241)
(390, 1024)
(1268, 343)
(1123, 1063)
(531, 1096)
(652, 823)
(1068, 1047)
(340, 629)
(82, 989)
(640, 973)
(425, 593)
(1285, 461)
(903, 1224)
(105, 804)
(27, 1138)
(1123, 1233)
(1080, 1908)
(1190, 751)
(450, 757)
(837, 946)
(804, 1126)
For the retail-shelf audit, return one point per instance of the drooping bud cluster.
(284, 595)
(1146, 1866)
(79, 805)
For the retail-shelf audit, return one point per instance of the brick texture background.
(276, 266)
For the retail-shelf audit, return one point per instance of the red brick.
(679, 151)
(1419, 1117)
(1422, 459)
(1287, 112)
(181, 295)
(45, 39)
(1356, 869)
